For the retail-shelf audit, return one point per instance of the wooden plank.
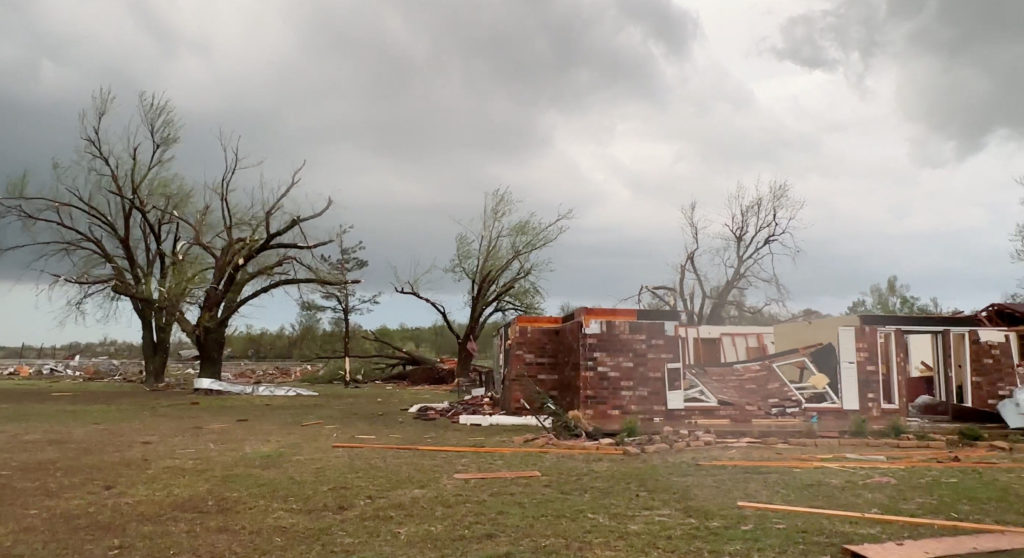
(864, 464)
(461, 449)
(938, 547)
(888, 518)
(312, 422)
(498, 475)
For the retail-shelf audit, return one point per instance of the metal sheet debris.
(254, 389)
(1012, 409)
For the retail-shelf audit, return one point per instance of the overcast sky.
(900, 123)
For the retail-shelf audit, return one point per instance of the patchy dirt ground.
(114, 470)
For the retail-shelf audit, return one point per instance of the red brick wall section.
(993, 377)
(624, 371)
(542, 357)
(624, 376)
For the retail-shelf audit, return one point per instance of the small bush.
(630, 428)
(894, 429)
(970, 433)
(858, 427)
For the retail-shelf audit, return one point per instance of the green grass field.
(114, 470)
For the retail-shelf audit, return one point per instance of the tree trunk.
(346, 346)
(210, 342)
(149, 351)
(161, 352)
(464, 364)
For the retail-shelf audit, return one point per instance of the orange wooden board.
(862, 464)
(498, 475)
(938, 547)
(887, 518)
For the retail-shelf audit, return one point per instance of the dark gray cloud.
(407, 112)
(958, 66)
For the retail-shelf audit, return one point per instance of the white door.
(848, 385)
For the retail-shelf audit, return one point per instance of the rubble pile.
(275, 375)
(94, 369)
(470, 405)
(669, 439)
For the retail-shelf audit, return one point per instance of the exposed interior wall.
(793, 335)
(716, 344)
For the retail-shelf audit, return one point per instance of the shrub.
(894, 429)
(858, 427)
(970, 433)
(630, 428)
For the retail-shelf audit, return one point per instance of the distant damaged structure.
(612, 364)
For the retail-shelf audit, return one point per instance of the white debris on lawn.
(435, 406)
(254, 389)
(503, 420)
(1012, 409)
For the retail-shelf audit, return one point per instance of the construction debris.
(887, 518)
(312, 422)
(859, 464)
(209, 385)
(475, 405)
(461, 449)
(938, 547)
(1012, 409)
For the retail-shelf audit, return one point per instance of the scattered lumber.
(498, 475)
(863, 464)
(888, 518)
(599, 451)
(939, 546)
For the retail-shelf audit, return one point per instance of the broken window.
(683, 390)
(805, 380)
(887, 377)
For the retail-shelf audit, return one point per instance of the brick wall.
(624, 370)
(545, 357)
(993, 376)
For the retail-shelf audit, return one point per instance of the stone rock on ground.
(696, 444)
(679, 446)
(606, 442)
(1000, 445)
(656, 448)
(630, 450)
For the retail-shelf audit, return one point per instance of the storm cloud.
(898, 122)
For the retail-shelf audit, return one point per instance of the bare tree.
(343, 300)
(104, 229)
(251, 243)
(499, 260)
(730, 262)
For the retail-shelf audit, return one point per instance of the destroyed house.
(612, 364)
(616, 363)
(959, 367)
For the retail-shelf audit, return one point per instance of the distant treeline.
(304, 339)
